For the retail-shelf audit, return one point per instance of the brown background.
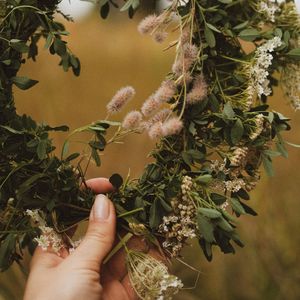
(113, 55)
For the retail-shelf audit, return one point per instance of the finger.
(129, 289)
(99, 237)
(100, 185)
(117, 264)
(113, 289)
(44, 259)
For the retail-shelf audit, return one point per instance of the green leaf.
(207, 248)
(204, 178)
(241, 25)
(130, 3)
(209, 212)
(7, 248)
(225, 1)
(237, 131)
(228, 111)
(19, 46)
(154, 218)
(249, 34)
(210, 37)
(48, 40)
(267, 162)
(96, 157)
(212, 27)
(116, 180)
(217, 198)
(223, 224)
(23, 83)
(206, 228)
(294, 53)
(42, 149)
(72, 156)
(99, 145)
(60, 47)
(237, 206)
(104, 10)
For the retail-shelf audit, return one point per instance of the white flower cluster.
(235, 185)
(218, 166)
(150, 277)
(238, 156)
(259, 126)
(48, 238)
(268, 8)
(259, 70)
(181, 225)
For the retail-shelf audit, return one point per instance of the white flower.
(235, 185)
(262, 61)
(49, 236)
(268, 8)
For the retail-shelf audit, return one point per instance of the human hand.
(81, 275)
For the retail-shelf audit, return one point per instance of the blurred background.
(113, 55)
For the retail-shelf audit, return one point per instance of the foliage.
(215, 128)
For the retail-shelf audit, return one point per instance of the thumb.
(100, 234)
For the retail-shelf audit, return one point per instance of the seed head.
(172, 126)
(132, 120)
(118, 101)
(160, 36)
(150, 106)
(148, 24)
(198, 92)
(166, 91)
(155, 131)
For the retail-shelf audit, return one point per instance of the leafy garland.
(211, 116)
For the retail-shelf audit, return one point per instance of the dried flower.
(148, 24)
(262, 62)
(235, 185)
(166, 91)
(185, 60)
(132, 120)
(118, 101)
(150, 278)
(259, 122)
(160, 36)
(180, 225)
(150, 106)
(161, 116)
(138, 228)
(49, 237)
(155, 131)
(238, 156)
(268, 8)
(172, 126)
(198, 92)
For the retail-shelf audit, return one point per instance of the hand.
(80, 275)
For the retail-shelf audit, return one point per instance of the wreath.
(211, 118)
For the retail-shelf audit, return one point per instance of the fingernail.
(101, 208)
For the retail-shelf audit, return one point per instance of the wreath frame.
(26, 159)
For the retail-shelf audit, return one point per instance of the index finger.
(100, 185)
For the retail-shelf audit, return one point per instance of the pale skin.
(81, 274)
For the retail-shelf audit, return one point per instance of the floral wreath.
(210, 116)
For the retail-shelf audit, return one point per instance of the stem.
(128, 213)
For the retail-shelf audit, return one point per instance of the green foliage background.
(113, 54)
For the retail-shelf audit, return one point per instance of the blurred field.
(114, 55)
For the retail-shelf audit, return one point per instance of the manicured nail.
(101, 208)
